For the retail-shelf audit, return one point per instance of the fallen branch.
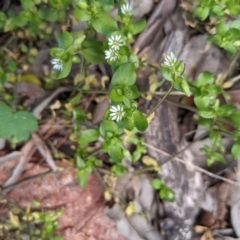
(193, 166)
(12, 155)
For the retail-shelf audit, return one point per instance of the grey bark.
(166, 32)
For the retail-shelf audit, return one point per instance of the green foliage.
(140, 120)
(85, 168)
(163, 191)
(109, 40)
(124, 75)
(37, 224)
(17, 125)
(227, 34)
(89, 135)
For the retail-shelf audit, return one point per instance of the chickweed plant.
(108, 39)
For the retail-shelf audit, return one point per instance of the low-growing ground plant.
(108, 39)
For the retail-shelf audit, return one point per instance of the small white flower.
(115, 42)
(117, 113)
(126, 9)
(57, 64)
(170, 59)
(111, 54)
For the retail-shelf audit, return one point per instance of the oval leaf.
(235, 150)
(140, 121)
(107, 126)
(124, 75)
(89, 135)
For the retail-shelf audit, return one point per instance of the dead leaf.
(207, 236)
(149, 161)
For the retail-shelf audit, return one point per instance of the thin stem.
(185, 148)
(230, 67)
(95, 91)
(194, 166)
(171, 93)
(158, 93)
(160, 101)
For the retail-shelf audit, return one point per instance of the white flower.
(170, 59)
(111, 54)
(117, 113)
(57, 64)
(126, 9)
(115, 42)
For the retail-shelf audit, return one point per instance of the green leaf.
(18, 125)
(167, 194)
(104, 24)
(185, 87)
(230, 48)
(221, 28)
(108, 126)
(140, 121)
(139, 26)
(207, 113)
(65, 40)
(201, 12)
(78, 41)
(27, 4)
(57, 52)
(205, 78)
(27, 123)
(66, 69)
(82, 176)
(216, 139)
(218, 157)
(82, 14)
(92, 51)
(79, 161)
(48, 14)
(128, 123)
(136, 156)
(11, 65)
(157, 183)
(225, 110)
(3, 19)
(166, 73)
(3, 76)
(235, 24)
(116, 153)
(126, 102)
(212, 89)
(236, 119)
(202, 102)
(234, 8)
(115, 95)
(233, 34)
(87, 136)
(205, 122)
(124, 75)
(217, 10)
(236, 150)
(118, 169)
(236, 43)
(127, 154)
(107, 5)
(131, 92)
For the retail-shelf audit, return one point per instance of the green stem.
(160, 101)
(95, 91)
